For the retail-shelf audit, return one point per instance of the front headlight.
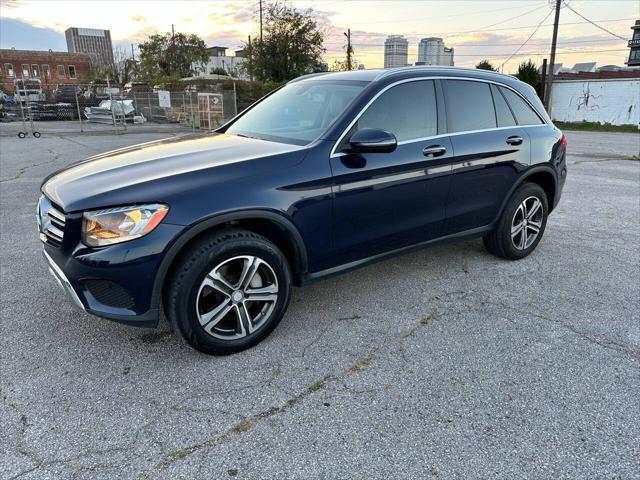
(115, 225)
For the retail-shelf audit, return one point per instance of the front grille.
(52, 223)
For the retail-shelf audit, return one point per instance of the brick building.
(51, 68)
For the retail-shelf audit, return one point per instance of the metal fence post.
(78, 108)
(113, 113)
(235, 101)
(193, 120)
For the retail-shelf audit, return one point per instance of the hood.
(73, 187)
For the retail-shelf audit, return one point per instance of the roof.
(601, 75)
(584, 67)
(372, 75)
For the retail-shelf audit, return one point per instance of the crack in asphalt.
(634, 354)
(22, 170)
(248, 423)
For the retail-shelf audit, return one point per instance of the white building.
(396, 49)
(431, 51)
(219, 60)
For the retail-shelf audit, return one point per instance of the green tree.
(165, 59)
(528, 73)
(291, 45)
(121, 72)
(219, 71)
(486, 65)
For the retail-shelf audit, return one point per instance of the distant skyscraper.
(431, 51)
(396, 49)
(93, 42)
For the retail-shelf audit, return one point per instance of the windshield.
(298, 113)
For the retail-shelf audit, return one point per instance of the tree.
(121, 72)
(291, 45)
(486, 65)
(219, 71)
(165, 59)
(528, 73)
(342, 65)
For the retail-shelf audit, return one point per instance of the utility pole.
(133, 57)
(173, 45)
(260, 23)
(552, 60)
(349, 49)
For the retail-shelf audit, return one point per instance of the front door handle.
(514, 140)
(434, 151)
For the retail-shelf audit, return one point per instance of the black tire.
(36, 134)
(21, 134)
(182, 295)
(499, 242)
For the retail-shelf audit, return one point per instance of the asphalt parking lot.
(445, 363)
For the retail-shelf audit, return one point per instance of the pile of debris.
(122, 110)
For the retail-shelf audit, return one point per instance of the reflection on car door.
(384, 201)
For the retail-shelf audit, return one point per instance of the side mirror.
(373, 140)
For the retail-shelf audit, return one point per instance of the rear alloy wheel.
(227, 292)
(526, 223)
(521, 225)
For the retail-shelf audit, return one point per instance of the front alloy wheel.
(237, 297)
(228, 291)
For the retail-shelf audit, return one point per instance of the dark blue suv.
(325, 174)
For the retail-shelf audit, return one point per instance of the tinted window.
(469, 106)
(407, 110)
(503, 114)
(521, 109)
(299, 112)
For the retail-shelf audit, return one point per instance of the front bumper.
(62, 280)
(115, 282)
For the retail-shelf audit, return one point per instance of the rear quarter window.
(521, 109)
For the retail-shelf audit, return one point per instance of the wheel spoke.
(249, 269)
(264, 294)
(523, 239)
(534, 208)
(533, 228)
(211, 319)
(216, 282)
(515, 230)
(244, 327)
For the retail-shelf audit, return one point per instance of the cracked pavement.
(443, 363)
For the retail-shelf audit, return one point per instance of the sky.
(477, 29)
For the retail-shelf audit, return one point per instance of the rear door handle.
(434, 151)
(514, 140)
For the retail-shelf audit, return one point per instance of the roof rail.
(411, 68)
(307, 76)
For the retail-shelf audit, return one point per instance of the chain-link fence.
(84, 108)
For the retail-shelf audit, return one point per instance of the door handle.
(514, 140)
(434, 151)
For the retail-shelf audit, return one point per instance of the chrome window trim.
(335, 154)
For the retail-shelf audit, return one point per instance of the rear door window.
(521, 109)
(469, 106)
(407, 110)
(503, 112)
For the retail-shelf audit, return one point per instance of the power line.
(505, 54)
(593, 23)
(464, 45)
(413, 19)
